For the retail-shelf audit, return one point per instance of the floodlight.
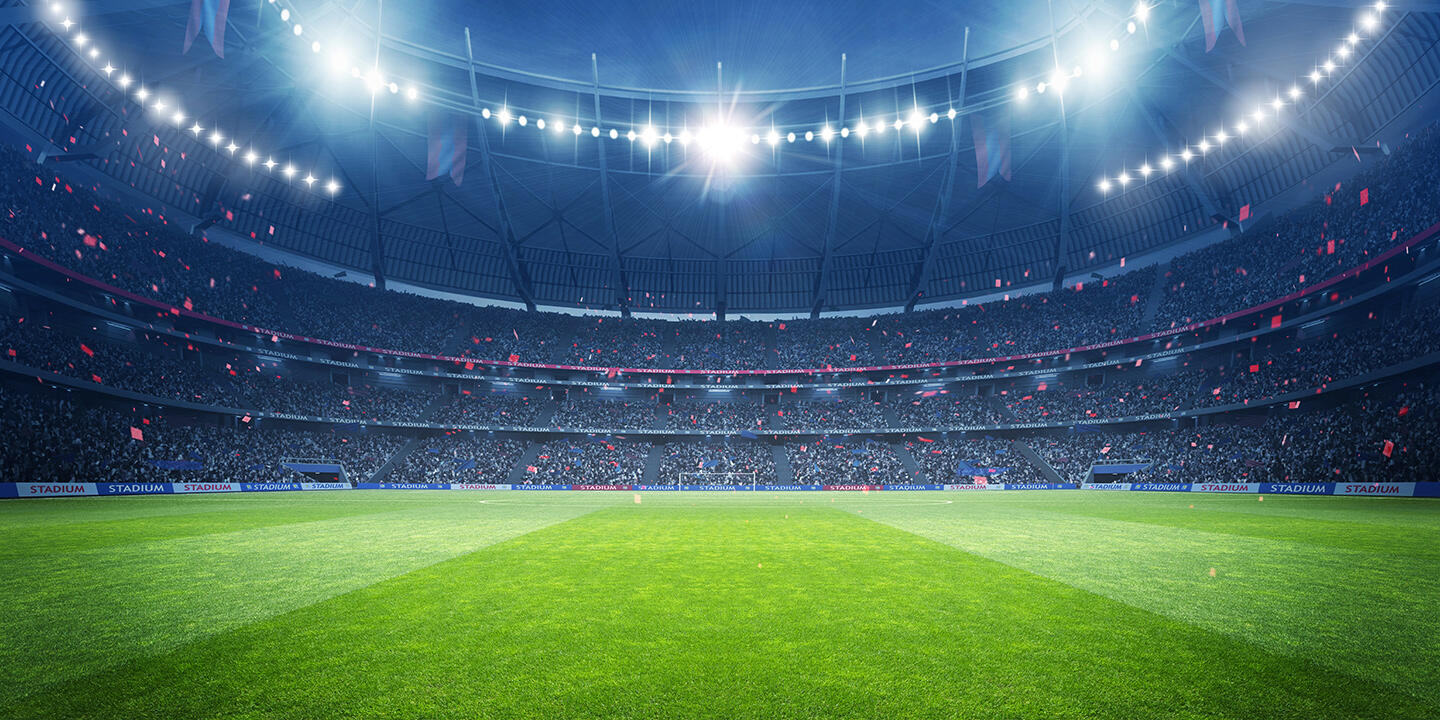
(522, 120)
(773, 138)
(614, 134)
(1104, 186)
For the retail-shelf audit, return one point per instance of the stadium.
(1000, 359)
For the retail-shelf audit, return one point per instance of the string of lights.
(718, 139)
(168, 107)
(1212, 144)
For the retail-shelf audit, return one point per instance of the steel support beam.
(1062, 239)
(88, 11)
(1321, 141)
(518, 275)
(822, 277)
(377, 241)
(920, 279)
(722, 183)
(622, 284)
(1208, 203)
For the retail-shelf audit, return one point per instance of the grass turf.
(438, 605)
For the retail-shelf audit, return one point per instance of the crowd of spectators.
(142, 251)
(493, 409)
(943, 408)
(607, 414)
(1120, 396)
(1379, 208)
(48, 439)
(160, 371)
(459, 457)
(593, 460)
(726, 417)
(836, 414)
(850, 462)
(1393, 439)
(743, 462)
(973, 460)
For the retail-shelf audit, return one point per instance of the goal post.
(717, 478)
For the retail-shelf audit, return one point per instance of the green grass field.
(726, 605)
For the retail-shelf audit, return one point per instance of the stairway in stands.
(398, 458)
(519, 473)
(1023, 448)
(1154, 298)
(784, 474)
(907, 460)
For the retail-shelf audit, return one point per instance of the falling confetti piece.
(637, 498)
(1212, 572)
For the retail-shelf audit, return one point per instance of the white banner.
(1406, 489)
(54, 489)
(206, 487)
(1226, 487)
(325, 486)
(968, 486)
(1106, 486)
(477, 486)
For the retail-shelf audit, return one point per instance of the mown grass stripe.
(1356, 612)
(74, 613)
(659, 610)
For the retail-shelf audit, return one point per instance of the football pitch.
(426, 604)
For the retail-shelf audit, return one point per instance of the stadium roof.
(567, 219)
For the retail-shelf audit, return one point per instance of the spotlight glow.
(1167, 163)
(1104, 186)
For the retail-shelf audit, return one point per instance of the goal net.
(716, 478)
